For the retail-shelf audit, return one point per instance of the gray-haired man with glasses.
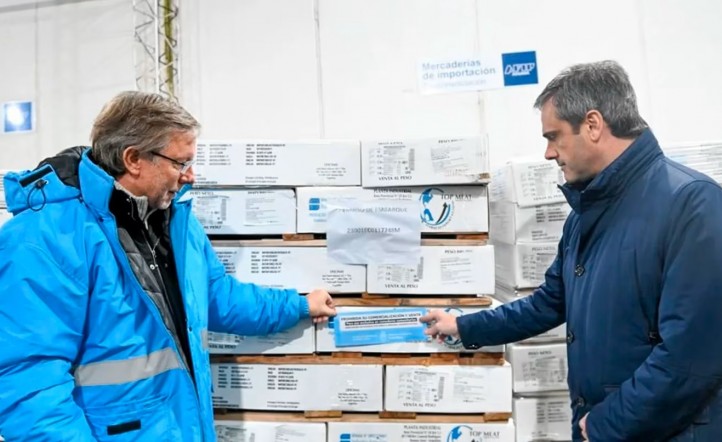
(109, 287)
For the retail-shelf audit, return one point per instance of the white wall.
(258, 65)
(347, 68)
(70, 59)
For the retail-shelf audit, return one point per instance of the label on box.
(295, 387)
(379, 327)
(420, 431)
(448, 389)
(270, 211)
(252, 431)
(278, 163)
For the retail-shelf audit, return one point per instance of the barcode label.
(412, 160)
(420, 270)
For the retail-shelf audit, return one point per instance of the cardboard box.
(448, 388)
(420, 431)
(299, 339)
(528, 183)
(538, 368)
(392, 163)
(255, 431)
(298, 387)
(278, 163)
(547, 417)
(509, 223)
(245, 211)
(441, 270)
(507, 295)
(3, 204)
(704, 157)
(442, 209)
(298, 267)
(523, 265)
(325, 336)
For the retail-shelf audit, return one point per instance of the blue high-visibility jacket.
(638, 279)
(84, 352)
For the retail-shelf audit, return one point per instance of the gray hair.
(603, 86)
(144, 120)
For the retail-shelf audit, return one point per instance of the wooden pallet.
(357, 358)
(290, 237)
(380, 300)
(475, 240)
(222, 414)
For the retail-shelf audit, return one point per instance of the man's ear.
(131, 161)
(594, 123)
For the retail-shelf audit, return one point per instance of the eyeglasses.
(182, 166)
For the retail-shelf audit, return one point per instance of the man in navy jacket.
(637, 277)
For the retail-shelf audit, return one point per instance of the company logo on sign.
(464, 433)
(437, 210)
(520, 68)
(314, 204)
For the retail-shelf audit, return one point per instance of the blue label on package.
(379, 327)
(520, 68)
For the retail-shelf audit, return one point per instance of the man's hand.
(442, 324)
(320, 306)
(583, 426)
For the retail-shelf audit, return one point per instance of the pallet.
(380, 300)
(463, 240)
(289, 237)
(358, 358)
(223, 414)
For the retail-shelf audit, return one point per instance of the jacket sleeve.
(541, 311)
(248, 309)
(42, 311)
(681, 375)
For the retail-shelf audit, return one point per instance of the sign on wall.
(18, 116)
(491, 71)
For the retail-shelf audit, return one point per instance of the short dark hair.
(603, 86)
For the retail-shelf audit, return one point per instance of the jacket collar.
(616, 177)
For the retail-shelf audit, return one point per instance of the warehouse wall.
(347, 68)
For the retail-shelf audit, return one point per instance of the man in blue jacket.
(109, 286)
(637, 277)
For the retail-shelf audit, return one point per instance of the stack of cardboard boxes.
(527, 215)
(427, 390)
(4, 214)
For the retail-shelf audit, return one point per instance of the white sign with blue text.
(379, 327)
(364, 232)
(478, 73)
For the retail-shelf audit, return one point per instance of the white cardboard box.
(4, 215)
(278, 163)
(509, 223)
(442, 209)
(298, 387)
(507, 295)
(325, 336)
(523, 265)
(245, 211)
(538, 368)
(254, 431)
(420, 432)
(2, 188)
(392, 163)
(298, 267)
(441, 270)
(527, 183)
(448, 388)
(547, 417)
(299, 339)
(704, 157)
